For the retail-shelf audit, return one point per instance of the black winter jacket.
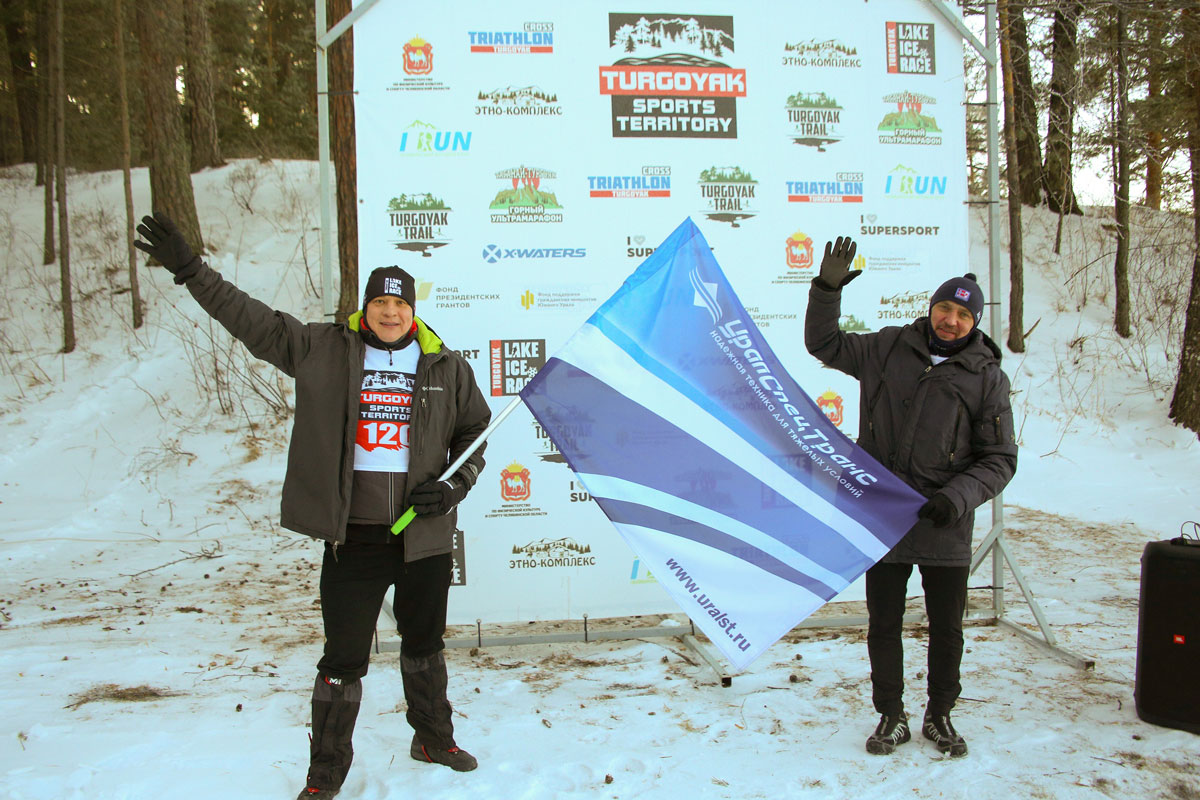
(326, 361)
(946, 428)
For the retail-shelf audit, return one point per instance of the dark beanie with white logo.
(393, 281)
(964, 291)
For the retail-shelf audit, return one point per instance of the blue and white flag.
(750, 507)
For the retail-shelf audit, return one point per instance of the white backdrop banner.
(520, 160)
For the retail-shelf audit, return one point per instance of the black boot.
(429, 711)
(455, 758)
(939, 730)
(334, 711)
(891, 732)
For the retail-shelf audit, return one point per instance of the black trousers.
(354, 580)
(945, 602)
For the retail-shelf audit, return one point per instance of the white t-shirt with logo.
(385, 409)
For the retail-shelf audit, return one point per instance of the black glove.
(166, 245)
(436, 497)
(939, 510)
(835, 266)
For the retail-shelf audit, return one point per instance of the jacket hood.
(427, 338)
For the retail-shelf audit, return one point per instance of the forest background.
(1106, 88)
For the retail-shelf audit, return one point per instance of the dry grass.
(120, 694)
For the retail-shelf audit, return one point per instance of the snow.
(159, 629)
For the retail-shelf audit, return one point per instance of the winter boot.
(429, 712)
(891, 732)
(455, 758)
(938, 729)
(334, 710)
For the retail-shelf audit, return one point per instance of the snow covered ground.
(158, 630)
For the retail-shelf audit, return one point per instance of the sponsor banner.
(650, 182)
(522, 102)
(446, 298)
(458, 560)
(669, 78)
(420, 222)
(515, 498)
(907, 124)
(552, 554)
(905, 306)
(426, 139)
(764, 319)
(530, 198)
(513, 363)
(906, 183)
(532, 37)
(870, 225)
(910, 48)
(493, 253)
(558, 299)
(521, 187)
(716, 467)
(814, 118)
(828, 53)
(417, 61)
(728, 194)
(846, 187)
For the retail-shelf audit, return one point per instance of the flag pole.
(408, 515)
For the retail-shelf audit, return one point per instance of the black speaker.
(1166, 689)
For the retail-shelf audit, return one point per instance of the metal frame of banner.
(994, 543)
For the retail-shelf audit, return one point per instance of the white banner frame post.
(993, 543)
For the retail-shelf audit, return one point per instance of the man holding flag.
(934, 409)
(382, 406)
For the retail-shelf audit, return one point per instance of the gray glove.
(835, 266)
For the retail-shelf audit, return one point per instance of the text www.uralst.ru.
(719, 616)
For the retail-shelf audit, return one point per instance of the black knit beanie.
(393, 281)
(964, 291)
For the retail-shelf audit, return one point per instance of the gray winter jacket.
(946, 428)
(326, 361)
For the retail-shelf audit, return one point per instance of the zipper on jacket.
(954, 439)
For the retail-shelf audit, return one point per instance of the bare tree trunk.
(1154, 137)
(126, 166)
(42, 78)
(1185, 403)
(64, 239)
(158, 25)
(18, 17)
(1016, 255)
(46, 157)
(1025, 120)
(345, 159)
(198, 82)
(10, 117)
(1064, 81)
(1121, 266)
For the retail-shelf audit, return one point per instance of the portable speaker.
(1166, 689)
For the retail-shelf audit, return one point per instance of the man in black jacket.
(382, 409)
(934, 409)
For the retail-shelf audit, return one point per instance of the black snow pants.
(945, 602)
(354, 580)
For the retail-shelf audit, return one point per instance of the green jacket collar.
(429, 341)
